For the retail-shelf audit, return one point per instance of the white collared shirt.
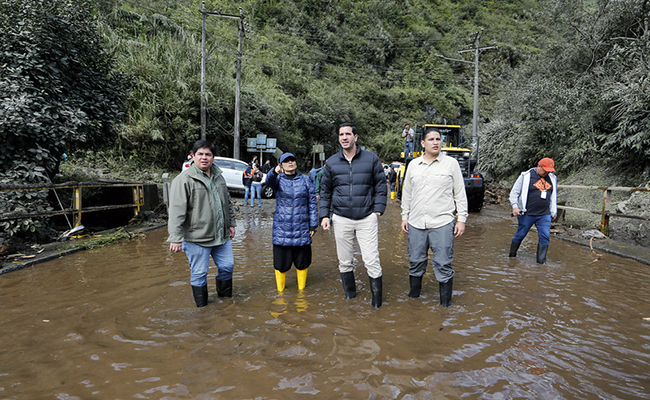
(432, 192)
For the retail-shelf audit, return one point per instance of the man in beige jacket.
(434, 211)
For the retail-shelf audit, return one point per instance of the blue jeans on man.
(408, 149)
(247, 191)
(256, 191)
(543, 224)
(199, 258)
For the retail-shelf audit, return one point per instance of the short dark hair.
(204, 144)
(354, 128)
(429, 130)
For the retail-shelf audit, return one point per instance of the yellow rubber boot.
(280, 280)
(302, 278)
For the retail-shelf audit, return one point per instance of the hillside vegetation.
(120, 80)
(307, 66)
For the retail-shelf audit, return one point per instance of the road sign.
(261, 143)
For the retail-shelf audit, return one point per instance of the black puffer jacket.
(353, 189)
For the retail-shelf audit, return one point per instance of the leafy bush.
(57, 91)
(19, 201)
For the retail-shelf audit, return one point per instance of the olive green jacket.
(191, 210)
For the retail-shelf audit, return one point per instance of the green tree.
(584, 98)
(57, 92)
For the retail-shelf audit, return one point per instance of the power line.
(240, 28)
(343, 72)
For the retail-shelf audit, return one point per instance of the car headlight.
(466, 154)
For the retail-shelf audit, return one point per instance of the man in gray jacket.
(353, 194)
(202, 222)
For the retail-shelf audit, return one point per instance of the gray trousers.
(441, 242)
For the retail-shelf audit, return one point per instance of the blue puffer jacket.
(353, 189)
(296, 210)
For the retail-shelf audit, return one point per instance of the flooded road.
(120, 323)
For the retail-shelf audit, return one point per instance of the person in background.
(409, 135)
(256, 185)
(353, 194)
(534, 202)
(317, 180)
(295, 220)
(266, 167)
(313, 172)
(392, 178)
(188, 162)
(246, 179)
(433, 191)
(202, 222)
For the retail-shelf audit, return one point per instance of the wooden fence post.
(604, 220)
(77, 206)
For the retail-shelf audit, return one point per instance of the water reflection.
(119, 322)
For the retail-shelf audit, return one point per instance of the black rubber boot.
(416, 286)
(200, 295)
(349, 286)
(376, 289)
(514, 246)
(541, 253)
(445, 292)
(224, 288)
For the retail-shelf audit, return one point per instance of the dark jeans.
(543, 224)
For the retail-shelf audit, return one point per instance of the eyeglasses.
(289, 160)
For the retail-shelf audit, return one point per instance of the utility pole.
(240, 39)
(477, 50)
(203, 105)
(240, 26)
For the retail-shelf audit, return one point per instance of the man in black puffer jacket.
(353, 193)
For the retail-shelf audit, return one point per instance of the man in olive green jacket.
(202, 222)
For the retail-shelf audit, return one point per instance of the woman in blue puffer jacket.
(295, 220)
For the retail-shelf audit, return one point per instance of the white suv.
(233, 170)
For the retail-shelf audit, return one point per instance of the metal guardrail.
(77, 209)
(605, 212)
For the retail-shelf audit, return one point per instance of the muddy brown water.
(119, 323)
